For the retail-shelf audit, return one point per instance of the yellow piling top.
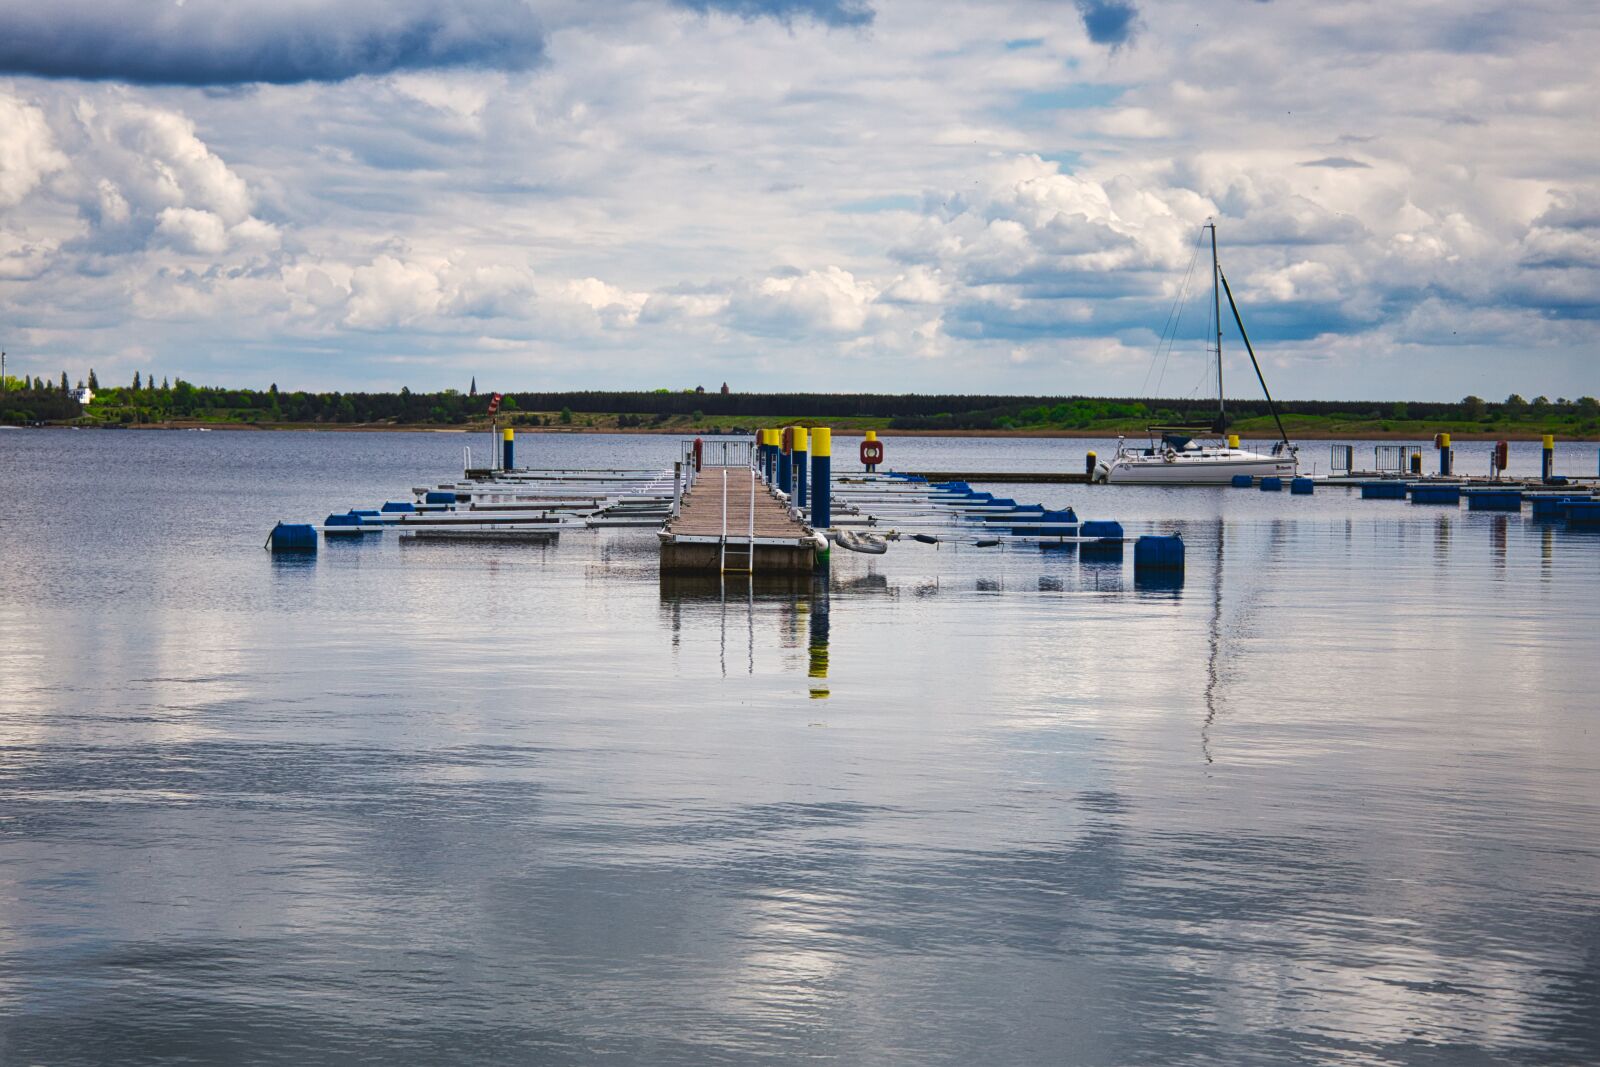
(800, 439)
(1233, 440)
(822, 441)
(872, 435)
(508, 434)
(1549, 441)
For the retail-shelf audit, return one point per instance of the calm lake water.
(1334, 800)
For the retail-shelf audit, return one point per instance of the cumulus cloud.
(231, 42)
(27, 150)
(625, 203)
(827, 301)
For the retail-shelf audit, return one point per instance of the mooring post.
(1547, 464)
(1441, 441)
(1089, 462)
(872, 435)
(821, 478)
(510, 445)
(801, 475)
(677, 485)
(785, 460)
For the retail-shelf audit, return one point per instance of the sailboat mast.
(1216, 317)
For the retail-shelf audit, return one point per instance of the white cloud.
(627, 202)
(28, 151)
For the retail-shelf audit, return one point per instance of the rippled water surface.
(1336, 799)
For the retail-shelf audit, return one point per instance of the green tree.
(94, 383)
(66, 386)
(136, 385)
(1473, 407)
(1588, 406)
(566, 416)
(1515, 406)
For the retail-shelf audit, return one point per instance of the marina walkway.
(729, 520)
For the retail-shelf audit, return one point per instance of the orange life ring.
(871, 453)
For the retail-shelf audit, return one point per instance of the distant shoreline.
(1253, 435)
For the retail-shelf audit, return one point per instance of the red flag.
(494, 403)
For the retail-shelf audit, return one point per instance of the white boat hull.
(1210, 467)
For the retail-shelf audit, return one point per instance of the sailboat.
(1175, 456)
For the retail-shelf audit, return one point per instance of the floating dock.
(730, 520)
(1006, 477)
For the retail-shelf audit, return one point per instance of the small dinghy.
(868, 543)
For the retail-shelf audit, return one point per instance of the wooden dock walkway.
(730, 521)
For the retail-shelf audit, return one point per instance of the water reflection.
(817, 648)
(1213, 643)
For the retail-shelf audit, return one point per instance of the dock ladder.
(742, 559)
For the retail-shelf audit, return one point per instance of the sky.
(827, 195)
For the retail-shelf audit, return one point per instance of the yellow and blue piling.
(821, 478)
(801, 475)
(508, 446)
(785, 461)
(1547, 465)
(1441, 441)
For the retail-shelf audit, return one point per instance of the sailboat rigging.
(1174, 457)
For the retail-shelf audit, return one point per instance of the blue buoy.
(401, 506)
(293, 537)
(1241, 481)
(439, 497)
(347, 526)
(1158, 553)
(1101, 528)
(1383, 490)
(1270, 484)
(1302, 486)
(1436, 494)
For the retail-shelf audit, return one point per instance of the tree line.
(25, 400)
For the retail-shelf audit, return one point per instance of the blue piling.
(802, 464)
(821, 478)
